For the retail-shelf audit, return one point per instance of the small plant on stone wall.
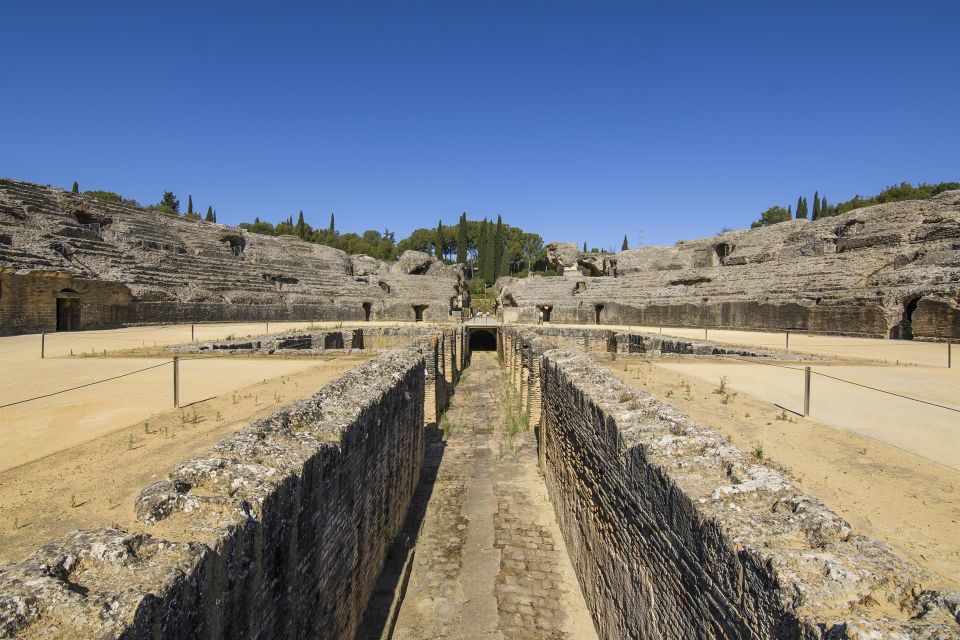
(758, 451)
(728, 398)
(73, 501)
(446, 426)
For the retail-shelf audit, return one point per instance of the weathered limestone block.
(563, 257)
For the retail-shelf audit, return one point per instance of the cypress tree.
(189, 205)
(214, 215)
(482, 255)
(816, 205)
(301, 228)
(584, 246)
(332, 230)
(498, 249)
(462, 239)
(209, 217)
(624, 246)
(76, 187)
(824, 208)
(801, 208)
(438, 241)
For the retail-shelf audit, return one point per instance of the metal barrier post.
(787, 348)
(176, 381)
(43, 344)
(806, 392)
(705, 333)
(191, 333)
(949, 354)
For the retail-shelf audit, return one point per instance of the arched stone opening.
(723, 250)
(418, 312)
(597, 312)
(545, 310)
(237, 243)
(483, 340)
(367, 307)
(903, 330)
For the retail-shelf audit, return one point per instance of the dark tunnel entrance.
(483, 340)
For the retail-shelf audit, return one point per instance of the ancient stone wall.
(29, 302)
(891, 270)
(179, 270)
(675, 533)
(279, 532)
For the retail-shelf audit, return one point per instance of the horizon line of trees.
(823, 209)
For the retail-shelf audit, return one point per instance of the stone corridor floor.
(482, 556)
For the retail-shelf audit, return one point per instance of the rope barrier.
(856, 384)
(89, 384)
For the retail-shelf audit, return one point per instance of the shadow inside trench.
(384, 606)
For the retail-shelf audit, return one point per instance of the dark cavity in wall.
(418, 312)
(483, 340)
(903, 330)
(597, 311)
(366, 311)
(68, 310)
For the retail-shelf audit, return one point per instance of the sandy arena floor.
(933, 354)
(875, 460)
(78, 459)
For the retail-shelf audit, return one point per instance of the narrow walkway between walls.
(489, 561)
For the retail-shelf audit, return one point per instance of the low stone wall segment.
(280, 531)
(675, 533)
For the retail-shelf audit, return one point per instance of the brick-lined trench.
(489, 561)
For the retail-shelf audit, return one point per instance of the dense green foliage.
(106, 196)
(209, 217)
(76, 187)
(772, 215)
(899, 193)
(625, 245)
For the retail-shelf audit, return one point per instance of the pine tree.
(209, 217)
(76, 187)
(462, 239)
(438, 241)
(624, 246)
(332, 230)
(301, 228)
(816, 205)
(498, 250)
(170, 202)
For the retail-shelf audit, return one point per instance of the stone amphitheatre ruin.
(341, 515)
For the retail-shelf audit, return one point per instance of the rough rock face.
(412, 262)
(176, 270)
(562, 256)
(888, 270)
(288, 521)
(675, 533)
(365, 265)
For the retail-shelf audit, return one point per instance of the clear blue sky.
(580, 121)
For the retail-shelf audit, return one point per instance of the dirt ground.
(933, 354)
(93, 475)
(911, 503)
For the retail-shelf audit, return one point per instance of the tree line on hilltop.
(823, 209)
